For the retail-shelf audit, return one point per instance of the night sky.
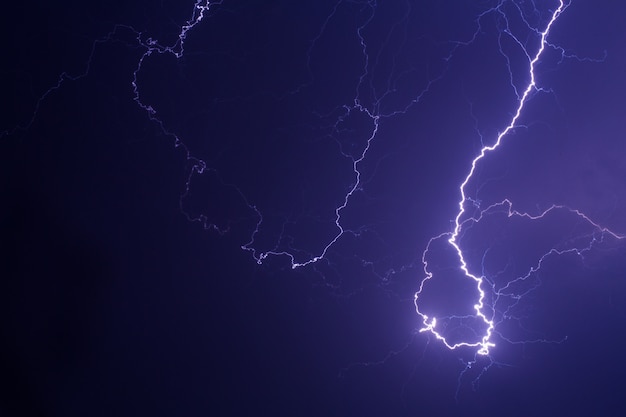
(222, 209)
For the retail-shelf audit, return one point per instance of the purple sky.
(334, 134)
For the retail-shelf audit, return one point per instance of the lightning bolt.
(485, 318)
(486, 315)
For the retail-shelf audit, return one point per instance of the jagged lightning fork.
(198, 166)
(375, 115)
(430, 324)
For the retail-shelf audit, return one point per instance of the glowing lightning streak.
(430, 323)
(201, 11)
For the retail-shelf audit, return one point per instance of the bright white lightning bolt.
(483, 313)
(483, 308)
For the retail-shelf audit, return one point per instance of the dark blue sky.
(116, 301)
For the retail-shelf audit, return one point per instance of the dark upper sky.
(116, 301)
